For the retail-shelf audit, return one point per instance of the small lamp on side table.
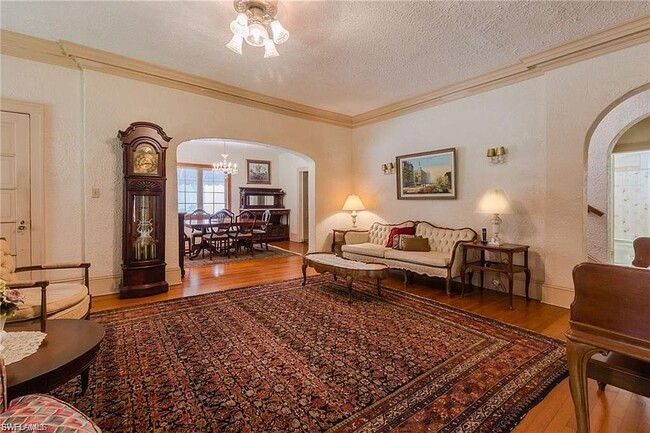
(353, 203)
(496, 202)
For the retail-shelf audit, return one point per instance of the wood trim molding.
(71, 55)
(615, 38)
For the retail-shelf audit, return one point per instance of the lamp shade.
(494, 201)
(353, 203)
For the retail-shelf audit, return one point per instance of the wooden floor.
(611, 411)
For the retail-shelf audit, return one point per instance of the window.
(631, 195)
(201, 188)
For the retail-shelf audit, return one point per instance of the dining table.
(232, 228)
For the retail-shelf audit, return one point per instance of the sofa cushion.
(367, 248)
(429, 258)
(398, 241)
(398, 231)
(59, 297)
(416, 244)
(378, 232)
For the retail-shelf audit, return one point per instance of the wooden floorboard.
(612, 411)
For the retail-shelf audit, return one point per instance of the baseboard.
(557, 295)
(110, 284)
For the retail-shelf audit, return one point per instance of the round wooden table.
(68, 350)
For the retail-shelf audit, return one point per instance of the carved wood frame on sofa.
(443, 260)
(65, 301)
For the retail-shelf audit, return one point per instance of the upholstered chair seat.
(44, 412)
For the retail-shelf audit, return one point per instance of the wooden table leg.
(527, 272)
(379, 286)
(304, 273)
(349, 281)
(85, 377)
(578, 355)
(510, 277)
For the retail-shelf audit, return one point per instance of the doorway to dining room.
(258, 165)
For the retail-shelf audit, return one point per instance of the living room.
(544, 108)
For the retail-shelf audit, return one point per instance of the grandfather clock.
(143, 241)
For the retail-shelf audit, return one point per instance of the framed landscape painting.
(427, 175)
(258, 171)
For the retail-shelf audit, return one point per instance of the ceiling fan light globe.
(238, 29)
(269, 49)
(280, 34)
(257, 35)
(235, 43)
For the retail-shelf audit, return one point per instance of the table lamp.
(353, 203)
(496, 202)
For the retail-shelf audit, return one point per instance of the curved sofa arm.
(356, 237)
(456, 260)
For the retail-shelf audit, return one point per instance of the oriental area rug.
(204, 260)
(285, 358)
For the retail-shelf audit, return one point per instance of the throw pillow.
(399, 231)
(398, 241)
(416, 244)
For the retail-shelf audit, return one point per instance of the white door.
(15, 185)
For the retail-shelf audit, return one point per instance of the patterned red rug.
(284, 358)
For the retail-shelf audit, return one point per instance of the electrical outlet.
(95, 193)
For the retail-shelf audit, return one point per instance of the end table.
(508, 268)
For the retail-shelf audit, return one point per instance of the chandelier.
(256, 24)
(224, 166)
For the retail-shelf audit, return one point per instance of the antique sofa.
(443, 258)
(45, 300)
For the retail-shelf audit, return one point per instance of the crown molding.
(614, 38)
(75, 56)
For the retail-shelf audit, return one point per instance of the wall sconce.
(388, 168)
(497, 155)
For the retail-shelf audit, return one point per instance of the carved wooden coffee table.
(339, 267)
(68, 351)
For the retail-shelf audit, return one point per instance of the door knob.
(21, 227)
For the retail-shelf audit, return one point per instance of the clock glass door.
(145, 227)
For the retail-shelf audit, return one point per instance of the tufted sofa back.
(378, 232)
(7, 262)
(443, 239)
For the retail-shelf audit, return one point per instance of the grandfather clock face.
(145, 160)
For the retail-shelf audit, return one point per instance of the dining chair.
(197, 216)
(218, 233)
(260, 232)
(245, 223)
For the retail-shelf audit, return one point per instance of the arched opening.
(199, 186)
(605, 134)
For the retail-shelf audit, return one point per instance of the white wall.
(543, 123)
(85, 110)
(289, 178)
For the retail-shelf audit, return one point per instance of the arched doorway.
(603, 136)
(198, 186)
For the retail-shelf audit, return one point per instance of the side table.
(68, 350)
(338, 238)
(508, 267)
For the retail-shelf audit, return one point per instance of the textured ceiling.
(344, 56)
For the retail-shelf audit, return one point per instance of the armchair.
(609, 319)
(40, 410)
(44, 300)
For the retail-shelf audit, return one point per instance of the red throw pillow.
(399, 231)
